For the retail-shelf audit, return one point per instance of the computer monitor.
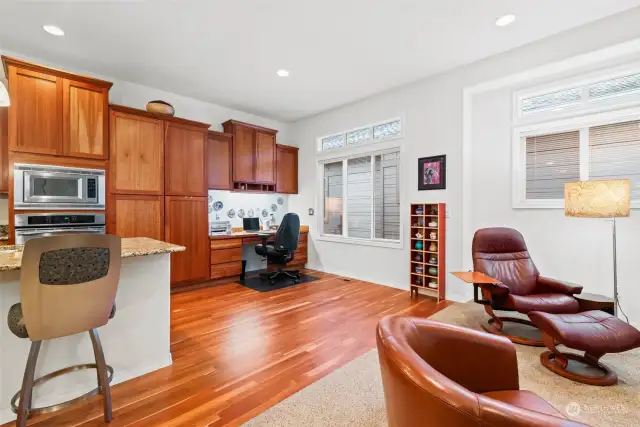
(251, 224)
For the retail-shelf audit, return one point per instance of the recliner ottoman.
(594, 332)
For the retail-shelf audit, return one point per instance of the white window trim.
(586, 106)
(366, 142)
(388, 145)
(519, 158)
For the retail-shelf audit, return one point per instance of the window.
(369, 134)
(369, 186)
(545, 161)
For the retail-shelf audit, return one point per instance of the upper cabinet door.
(219, 161)
(4, 150)
(136, 216)
(185, 153)
(85, 120)
(287, 169)
(137, 154)
(243, 154)
(265, 158)
(35, 114)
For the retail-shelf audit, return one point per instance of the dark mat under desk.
(253, 281)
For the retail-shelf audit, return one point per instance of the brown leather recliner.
(502, 254)
(436, 374)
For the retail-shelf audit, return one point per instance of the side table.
(589, 302)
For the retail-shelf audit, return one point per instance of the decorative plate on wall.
(250, 213)
(280, 201)
(210, 208)
(217, 206)
(231, 213)
(265, 213)
(274, 207)
(240, 213)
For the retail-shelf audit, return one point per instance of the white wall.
(433, 111)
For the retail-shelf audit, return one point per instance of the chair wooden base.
(495, 324)
(558, 363)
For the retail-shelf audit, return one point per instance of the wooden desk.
(226, 252)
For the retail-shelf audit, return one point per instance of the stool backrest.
(68, 284)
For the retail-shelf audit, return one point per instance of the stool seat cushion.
(549, 303)
(594, 332)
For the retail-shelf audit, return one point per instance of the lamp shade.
(4, 96)
(597, 199)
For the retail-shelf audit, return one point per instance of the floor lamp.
(600, 199)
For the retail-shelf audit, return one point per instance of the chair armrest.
(500, 414)
(548, 285)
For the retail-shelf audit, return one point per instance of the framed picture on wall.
(432, 173)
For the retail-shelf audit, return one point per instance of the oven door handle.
(59, 230)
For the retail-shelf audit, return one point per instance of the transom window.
(373, 133)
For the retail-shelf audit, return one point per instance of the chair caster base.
(494, 326)
(558, 363)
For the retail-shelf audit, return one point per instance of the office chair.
(282, 250)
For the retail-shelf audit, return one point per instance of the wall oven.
(31, 226)
(55, 187)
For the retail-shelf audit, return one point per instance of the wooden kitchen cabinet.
(4, 150)
(56, 113)
(137, 152)
(254, 156)
(136, 216)
(219, 161)
(286, 169)
(85, 120)
(265, 158)
(185, 158)
(186, 224)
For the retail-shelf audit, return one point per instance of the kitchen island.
(136, 341)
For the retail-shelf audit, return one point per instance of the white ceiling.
(338, 51)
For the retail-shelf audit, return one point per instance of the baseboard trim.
(6, 415)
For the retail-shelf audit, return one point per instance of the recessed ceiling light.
(52, 29)
(283, 73)
(505, 20)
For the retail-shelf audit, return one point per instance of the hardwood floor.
(237, 352)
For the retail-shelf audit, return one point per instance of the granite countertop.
(11, 255)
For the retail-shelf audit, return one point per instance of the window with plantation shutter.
(614, 153)
(551, 161)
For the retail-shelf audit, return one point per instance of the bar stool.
(68, 285)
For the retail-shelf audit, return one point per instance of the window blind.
(333, 198)
(386, 212)
(614, 153)
(552, 160)
(359, 197)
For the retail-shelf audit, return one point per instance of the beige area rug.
(353, 395)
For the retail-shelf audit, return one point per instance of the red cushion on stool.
(594, 332)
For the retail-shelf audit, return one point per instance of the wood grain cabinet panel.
(226, 255)
(219, 160)
(185, 155)
(243, 155)
(35, 114)
(4, 150)
(219, 271)
(265, 158)
(187, 224)
(137, 216)
(137, 154)
(286, 169)
(85, 120)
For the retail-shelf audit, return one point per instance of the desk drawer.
(226, 243)
(226, 269)
(251, 240)
(220, 256)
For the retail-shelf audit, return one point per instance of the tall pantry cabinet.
(158, 186)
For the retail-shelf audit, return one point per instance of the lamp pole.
(615, 272)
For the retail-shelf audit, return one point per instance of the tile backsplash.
(255, 202)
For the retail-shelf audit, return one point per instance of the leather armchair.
(443, 375)
(502, 254)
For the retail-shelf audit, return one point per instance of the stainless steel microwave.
(57, 187)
